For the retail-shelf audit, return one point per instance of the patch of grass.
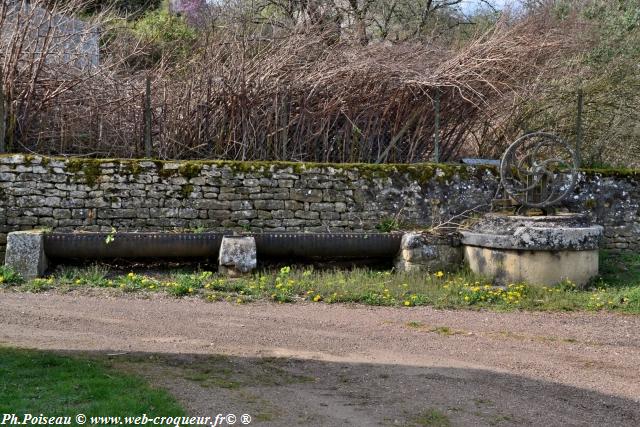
(8, 277)
(432, 417)
(443, 330)
(93, 275)
(383, 288)
(415, 325)
(388, 225)
(621, 269)
(38, 285)
(41, 382)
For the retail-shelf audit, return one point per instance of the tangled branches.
(301, 96)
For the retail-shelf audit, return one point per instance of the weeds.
(8, 277)
(382, 288)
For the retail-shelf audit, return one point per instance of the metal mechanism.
(207, 245)
(539, 170)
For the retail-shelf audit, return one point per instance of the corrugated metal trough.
(207, 245)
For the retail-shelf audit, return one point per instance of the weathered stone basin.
(540, 250)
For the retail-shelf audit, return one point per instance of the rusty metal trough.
(207, 245)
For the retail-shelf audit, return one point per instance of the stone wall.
(130, 195)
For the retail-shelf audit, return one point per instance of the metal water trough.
(207, 245)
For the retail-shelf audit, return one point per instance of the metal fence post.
(3, 117)
(579, 126)
(436, 130)
(147, 119)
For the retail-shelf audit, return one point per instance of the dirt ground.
(319, 364)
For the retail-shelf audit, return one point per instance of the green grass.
(618, 288)
(8, 277)
(39, 382)
(432, 417)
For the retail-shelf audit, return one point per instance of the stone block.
(307, 195)
(238, 255)
(427, 252)
(25, 253)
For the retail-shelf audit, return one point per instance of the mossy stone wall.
(130, 195)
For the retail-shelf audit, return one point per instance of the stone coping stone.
(538, 239)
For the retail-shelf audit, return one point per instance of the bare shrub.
(247, 93)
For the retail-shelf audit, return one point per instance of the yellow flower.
(466, 298)
(190, 290)
(407, 303)
(317, 298)
(78, 281)
(439, 274)
(131, 275)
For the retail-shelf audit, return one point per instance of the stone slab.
(25, 253)
(427, 252)
(238, 255)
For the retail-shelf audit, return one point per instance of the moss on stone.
(131, 167)
(186, 190)
(89, 167)
(162, 171)
(190, 169)
(421, 172)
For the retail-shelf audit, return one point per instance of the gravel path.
(368, 365)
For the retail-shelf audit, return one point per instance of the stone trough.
(542, 250)
(29, 252)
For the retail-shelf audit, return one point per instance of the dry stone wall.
(142, 195)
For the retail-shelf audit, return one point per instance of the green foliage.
(134, 282)
(167, 35)
(605, 69)
(36, 382)
(618, 289)
(94, 275)
(186, 284)
(433, 417)
(388, 225)
(111, 236)
(8, 277)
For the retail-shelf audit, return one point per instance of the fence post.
(3, 118)
(436, 131)
(579, 125)
(147, 119)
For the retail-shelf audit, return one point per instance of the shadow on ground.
(287, 392)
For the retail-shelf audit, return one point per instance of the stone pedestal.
(238, 255)
(541, 250)
(428, 252)
(25, 253)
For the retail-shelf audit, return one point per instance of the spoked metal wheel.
(539, 170)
